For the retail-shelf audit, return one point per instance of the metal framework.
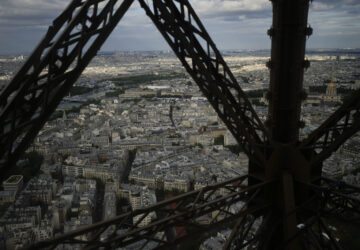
(284, 190)
(338, 199)
(50, 71)
(185, 212)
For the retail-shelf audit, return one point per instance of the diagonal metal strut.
(180, 26)
(47, 76)
(190, 211)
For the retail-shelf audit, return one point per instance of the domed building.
(331, 95)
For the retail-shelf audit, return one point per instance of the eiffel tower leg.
(280, 222)
(288, 33)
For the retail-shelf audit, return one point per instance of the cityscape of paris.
(135, 129)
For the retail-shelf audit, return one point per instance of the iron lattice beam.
(328, 199)
(180, 26)
(338, 199)
(288, 41)
(239, 236)
(313, 234)
(73, 40)
(48, 74)
(331, 198)
(215, 202)
(339, 127)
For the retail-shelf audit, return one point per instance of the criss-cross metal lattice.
(284, 190)
(183, 211)
(50, 71)
(340, 126)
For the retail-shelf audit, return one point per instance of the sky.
(232, 24)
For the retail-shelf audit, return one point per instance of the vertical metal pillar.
(288, 33)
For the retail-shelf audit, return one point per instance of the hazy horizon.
(233, 25)
(340, 50)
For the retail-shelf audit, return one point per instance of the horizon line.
(221, 50)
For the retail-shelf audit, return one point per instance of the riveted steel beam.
(182, 29)
(54, 66)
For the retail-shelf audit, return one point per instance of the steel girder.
(313, 233)
(48, 74)
(328, 198)
(288, 41)
(339, 127)
(239, 236)
(215, 203)
(73, 40)
(78, 33)
(337, 199)
(180, 26)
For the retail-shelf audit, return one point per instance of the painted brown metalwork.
(296, 195)
(48, 74)
(182, 29)
(339, 127)
(220, 198)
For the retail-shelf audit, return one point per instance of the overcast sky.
(233, 24)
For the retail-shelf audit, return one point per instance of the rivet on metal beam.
(271, 32)
(306, 64)
(308, 31)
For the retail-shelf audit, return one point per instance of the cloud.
(30, 9)
(23, 12)
(318, 6)
(221, 8)
(232, 23)
(339, 5)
